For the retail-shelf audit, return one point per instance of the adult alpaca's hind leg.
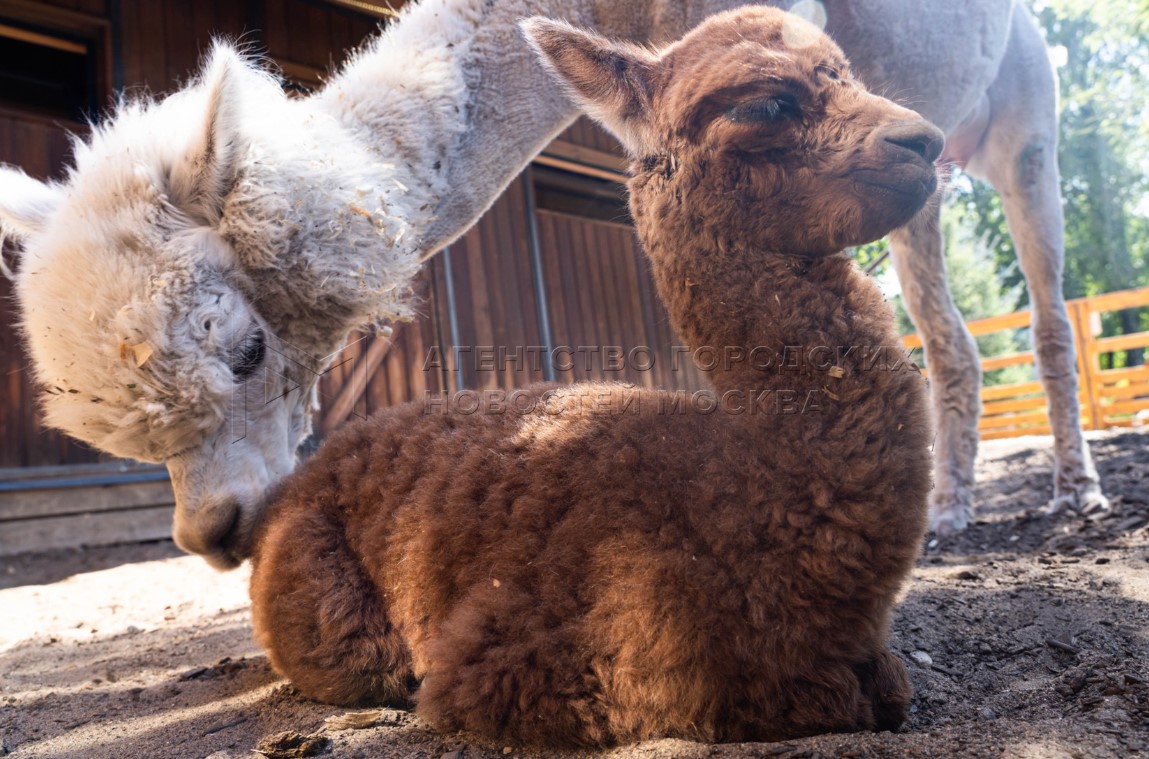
(952, 358)
(319, 616)
(1019, 157)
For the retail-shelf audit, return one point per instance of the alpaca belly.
(935, 57)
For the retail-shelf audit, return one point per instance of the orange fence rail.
(1109, 397)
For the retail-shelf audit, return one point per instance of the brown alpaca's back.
(617, 564)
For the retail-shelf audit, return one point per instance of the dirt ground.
(1026, 636)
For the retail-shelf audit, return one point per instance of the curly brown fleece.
(614, 563)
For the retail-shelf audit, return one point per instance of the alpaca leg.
(951, 355)
(497, 669)
(886, 684)
(831, 702)
(1019, 157)
(319, 616)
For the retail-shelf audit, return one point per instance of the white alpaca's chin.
(221, 489)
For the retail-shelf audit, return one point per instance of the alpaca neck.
(783, 323)
(453, 91)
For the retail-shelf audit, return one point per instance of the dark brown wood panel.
(496, 310)
(91, 7)
(40, 147)
(307, 34)
(165, 40)
(589, 134)
(602, 303)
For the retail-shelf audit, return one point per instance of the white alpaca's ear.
(203, 177)
(612, 81)
(25, 203)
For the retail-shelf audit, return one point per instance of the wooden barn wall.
(476, 302)
(40, 147)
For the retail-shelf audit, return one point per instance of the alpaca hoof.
(951, 512)
(1086, 499)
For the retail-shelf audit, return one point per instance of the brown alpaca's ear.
(206, 173)
(612, 81)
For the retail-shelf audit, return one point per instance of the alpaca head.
(139, 315)
(754, 109)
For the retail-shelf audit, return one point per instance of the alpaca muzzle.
(212, 531)
(900, 163)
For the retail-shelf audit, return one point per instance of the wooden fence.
(1109, 397)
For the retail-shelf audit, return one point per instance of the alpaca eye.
(830, 73)
(774, 108)
(248, 355)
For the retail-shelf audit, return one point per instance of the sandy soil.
(1026, 636)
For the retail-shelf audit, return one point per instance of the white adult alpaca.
(227, 233)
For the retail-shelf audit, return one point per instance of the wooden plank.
(104, 469)
(29, 504)
(1128, 374)
(978, 327)
(564, 286)
(354, 385)
(995, 392)
(1041, 429)
(1013, 359)
(1124, 392)
(1005, 407)
(380, 9)
(1116, 301)
(1125, 421)
(1119, 343)
(1121, 408)
(1016, 320)
(588, 156)
(95, 529)
(1086, 365)
(994, 422)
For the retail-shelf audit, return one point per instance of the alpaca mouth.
(915, 184)
(233, 545)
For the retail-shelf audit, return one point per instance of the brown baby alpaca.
(616, 564)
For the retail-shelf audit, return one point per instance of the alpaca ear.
(613, 82)
(25, 203)
(203, 177)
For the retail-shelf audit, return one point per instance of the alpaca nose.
(209, 530)
(921, 138)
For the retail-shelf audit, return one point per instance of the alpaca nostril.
(923, 140)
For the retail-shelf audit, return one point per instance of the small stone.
(922, 658)
(292, 745)
(987, 714)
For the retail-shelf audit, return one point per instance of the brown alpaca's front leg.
(319, 616)
(886, 684)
